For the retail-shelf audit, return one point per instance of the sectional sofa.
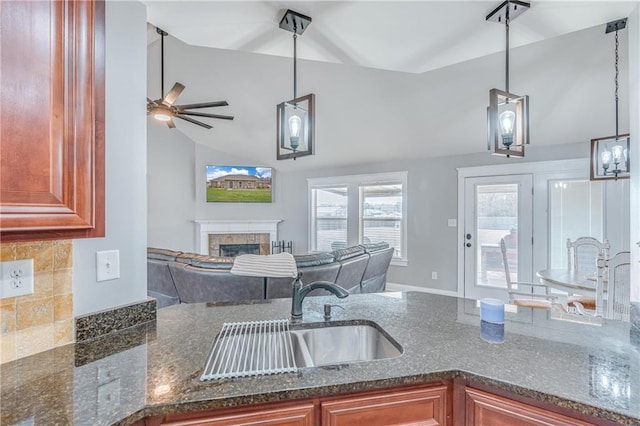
(177, 277)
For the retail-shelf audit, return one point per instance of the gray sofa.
(177, 277)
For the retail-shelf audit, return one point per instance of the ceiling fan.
(163, 109)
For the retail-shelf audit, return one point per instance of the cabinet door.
(51, 119)
(300, 415)
(486, 409)
(408, 407)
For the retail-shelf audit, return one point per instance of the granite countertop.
(155, 368)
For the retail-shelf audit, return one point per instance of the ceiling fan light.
(162, 116)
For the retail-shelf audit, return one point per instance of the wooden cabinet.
(421, 406)
(302, 414)
(51, 119)
(450, 403)
(487, 409)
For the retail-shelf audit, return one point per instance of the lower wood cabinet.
(487, 409)
(451, 403)
(302, 414)
(424, 405)
(420, 406)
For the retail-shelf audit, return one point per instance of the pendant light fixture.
(508, 113)
(295, 118)
(610, 155)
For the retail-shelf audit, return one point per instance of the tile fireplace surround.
(211, 233)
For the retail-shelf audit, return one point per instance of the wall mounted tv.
(239, 184)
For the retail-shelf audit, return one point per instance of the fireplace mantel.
(206, 227)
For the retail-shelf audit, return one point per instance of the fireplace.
(211, 234)
(233, 250)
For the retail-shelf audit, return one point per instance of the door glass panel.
(575, 210)
(497, 218)
(329, 215)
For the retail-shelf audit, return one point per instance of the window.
(350, 210)
(576, 209)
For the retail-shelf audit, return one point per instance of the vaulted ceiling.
(413, 80)
(411, 36)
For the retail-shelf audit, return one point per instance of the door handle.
(468, 244)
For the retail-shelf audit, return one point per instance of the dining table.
(569, 280)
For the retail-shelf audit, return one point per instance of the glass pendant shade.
(610, 158)
(296, 127)
(507, 123)
(295, 124)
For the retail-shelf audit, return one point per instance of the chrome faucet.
(301, 291)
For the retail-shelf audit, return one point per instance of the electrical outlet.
(107, 265)
(434, 275)
(17, 278)
(452, 223)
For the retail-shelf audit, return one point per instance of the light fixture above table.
(508, 113)
(610, 155)
(295, 118)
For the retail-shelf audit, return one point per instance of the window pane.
(329, 218)
(381, 214)
(497, 218)
(575, 210)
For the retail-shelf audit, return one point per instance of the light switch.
(107, 265)
(452, 223)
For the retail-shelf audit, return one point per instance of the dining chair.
(618, 305)
(612, 289)
(519, 297)
(582, 253)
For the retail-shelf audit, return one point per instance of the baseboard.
(404, 287)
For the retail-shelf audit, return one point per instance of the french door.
(496, 208)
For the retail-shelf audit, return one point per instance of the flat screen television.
(239, 184)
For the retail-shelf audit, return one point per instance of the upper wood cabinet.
(51, 119)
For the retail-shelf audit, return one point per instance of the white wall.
(571, 103)
(125, 199)
(634, 113)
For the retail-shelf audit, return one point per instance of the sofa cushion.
(162, 254)
(187, 258)
(314, 259)
(273, 265)
(347, 253)
(371, 247)
(196, 285)
(212, 262)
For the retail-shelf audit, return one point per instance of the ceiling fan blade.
(191, 120)
(173, 94)
(203, 105)
(171, 124)
(202, 114)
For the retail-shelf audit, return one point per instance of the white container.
(492, 311)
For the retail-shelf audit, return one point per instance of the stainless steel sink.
(313, 347)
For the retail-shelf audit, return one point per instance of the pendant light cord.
(616, 82)
(506, 25)
(295, 68)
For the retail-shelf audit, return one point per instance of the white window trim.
(353, 183)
